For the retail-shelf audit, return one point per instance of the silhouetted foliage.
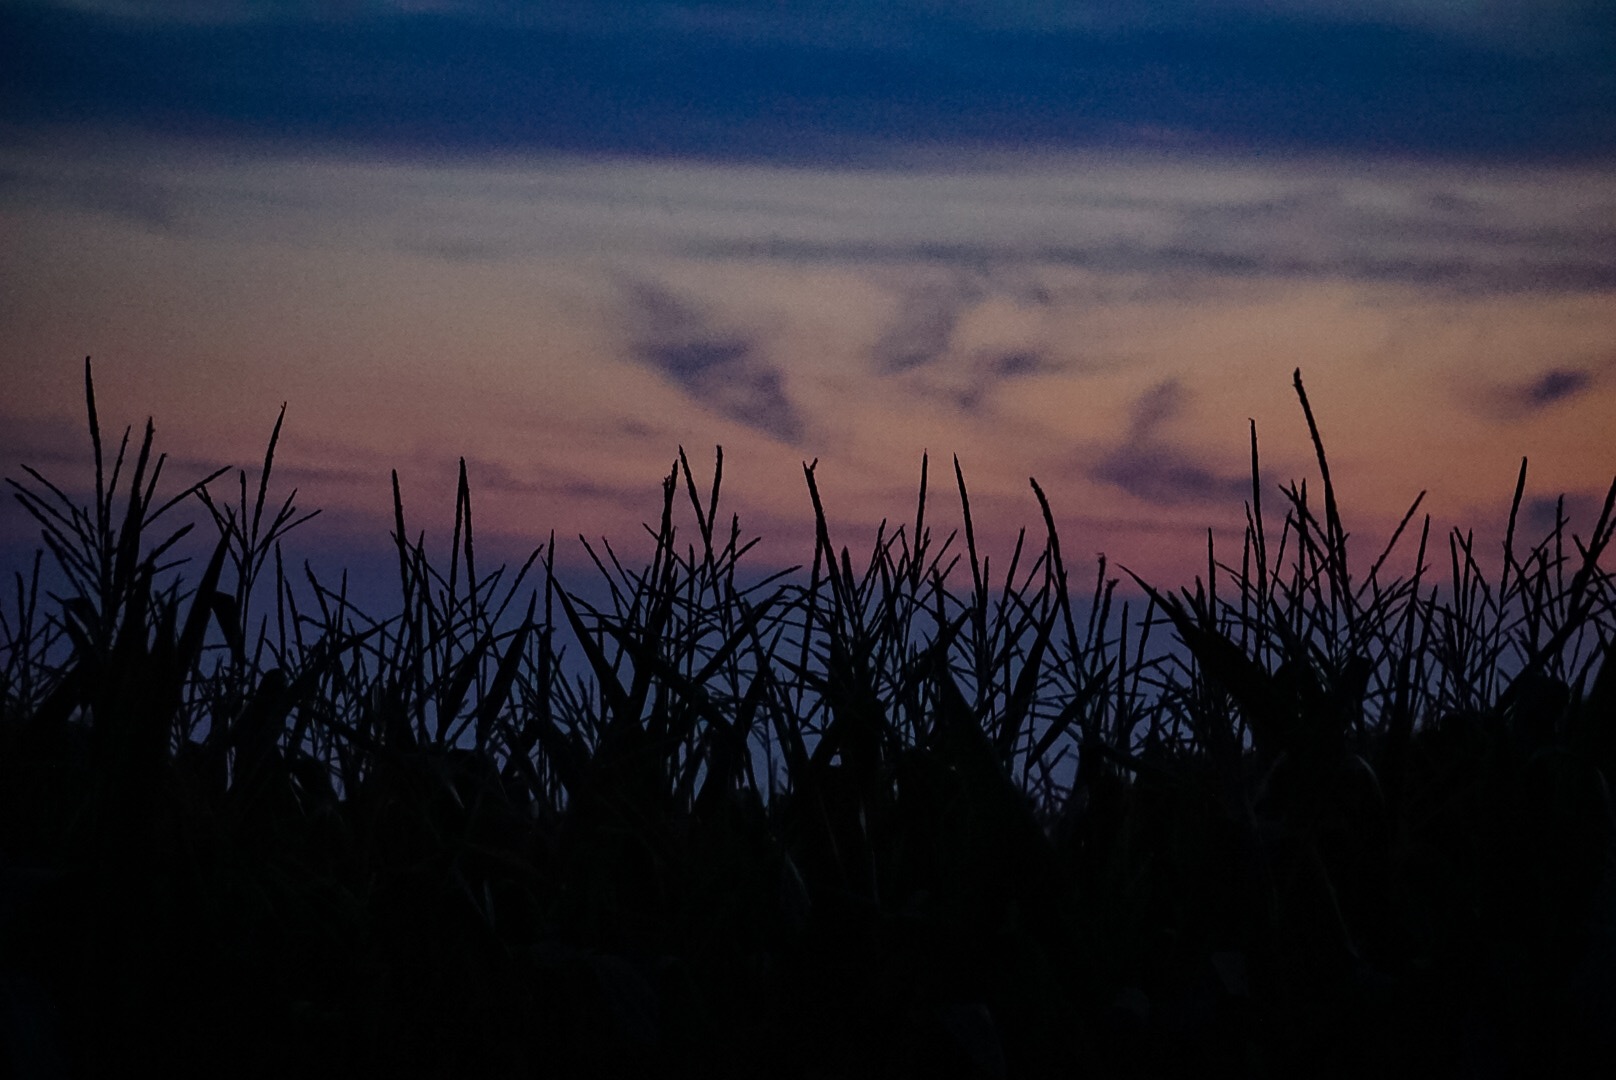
(849, 823)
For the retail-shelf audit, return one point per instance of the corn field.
(908, 814)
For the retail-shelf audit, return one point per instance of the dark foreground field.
(927, 818)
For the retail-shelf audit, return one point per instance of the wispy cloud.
(1544, 391)
(720, 369)
(39, 442)
(941, 239)
(1014, 365)
(989, 371)
(1148, 465)
(1553, 386)
(1422, 238)
(551, 482)
(128, 197)
(923, 328)
(1542, 513)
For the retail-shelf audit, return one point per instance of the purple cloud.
(722, 370)
(1517, 401)
(1149, 466)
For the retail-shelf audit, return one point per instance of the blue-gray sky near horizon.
(1079, 240)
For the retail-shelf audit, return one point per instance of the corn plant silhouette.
(843, 819)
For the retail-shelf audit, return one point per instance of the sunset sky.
(1080, 241)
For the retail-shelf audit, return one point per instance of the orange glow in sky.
(1104, 323)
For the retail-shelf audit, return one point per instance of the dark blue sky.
(760, 81)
